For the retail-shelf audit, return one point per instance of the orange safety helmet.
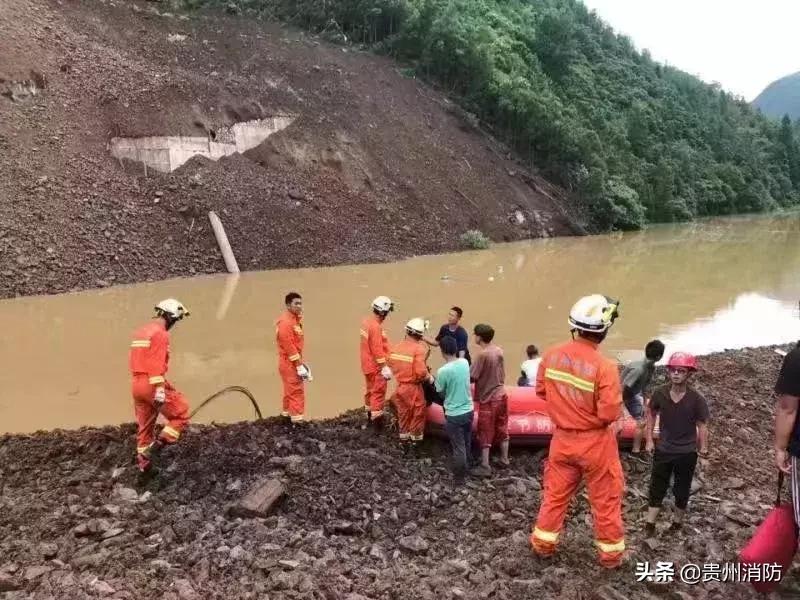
(682, 359)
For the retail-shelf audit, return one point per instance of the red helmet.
(682, 359)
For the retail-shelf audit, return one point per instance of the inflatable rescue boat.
(528, 421)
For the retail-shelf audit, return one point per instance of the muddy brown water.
(701, 287)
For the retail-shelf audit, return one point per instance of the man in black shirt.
(683, 435)
(787, 429)
(454, 330)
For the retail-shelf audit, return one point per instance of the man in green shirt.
(635, 378)
(452, 383)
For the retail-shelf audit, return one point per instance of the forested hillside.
(632, 139)
(781, 97)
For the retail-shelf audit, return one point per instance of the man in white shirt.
(530, 367)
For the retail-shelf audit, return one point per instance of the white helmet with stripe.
(417, 326)
(595, 313)
(171, 308)
(383, 305)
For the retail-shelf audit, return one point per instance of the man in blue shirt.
(454, 330)
(452, 383)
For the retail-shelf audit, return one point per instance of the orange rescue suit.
(407, 361)
(148, 361)
(584, 399)
(374, 353)
(289, 337)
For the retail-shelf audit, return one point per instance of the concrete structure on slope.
(167, 153)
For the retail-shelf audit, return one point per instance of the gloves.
(386, 372)
(160, 396)
(302, 372)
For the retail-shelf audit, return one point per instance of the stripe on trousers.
(611, 548)
(546, 536)
(169, 431)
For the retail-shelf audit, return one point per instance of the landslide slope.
(374, 167)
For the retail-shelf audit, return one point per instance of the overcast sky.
(744, 45)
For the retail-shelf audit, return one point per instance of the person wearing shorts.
(635, 378)
(488, 374)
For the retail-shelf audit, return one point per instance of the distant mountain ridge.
(781, 97)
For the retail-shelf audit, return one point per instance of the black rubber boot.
(413, 450)
(377, 425)
(405, 446)
(299, 426)
(146, 476)
(153, 453)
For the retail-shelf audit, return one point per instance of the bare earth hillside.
(374, 166)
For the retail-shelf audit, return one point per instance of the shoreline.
(200, 427)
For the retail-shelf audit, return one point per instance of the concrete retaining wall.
(165, 154)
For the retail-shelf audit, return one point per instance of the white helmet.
(417, 326)
(171, 308)
(595, 313)
(383, 305)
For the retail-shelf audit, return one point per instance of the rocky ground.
(359, 521)
(376, 166)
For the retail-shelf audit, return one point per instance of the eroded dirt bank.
(373, 167)
(359, 521)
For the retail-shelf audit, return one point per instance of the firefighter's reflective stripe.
(140, 344)
(402, 357)
(156, 379)
(375, 414)
(611, 547)
(363, 333)
(380, 361)
(570, 379)
(173, 433)
(294, 357)
(143, 449)
(545, 536)
(297, 418)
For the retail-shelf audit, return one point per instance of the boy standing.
(635, 378)
(488, 373)
(452, 382)
(683, 417)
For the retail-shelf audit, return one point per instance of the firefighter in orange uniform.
(152, 393)
(584, 400)
(407, 361)
(294, 373)
(374, 353)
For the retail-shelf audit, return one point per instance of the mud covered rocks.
(361, 521)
